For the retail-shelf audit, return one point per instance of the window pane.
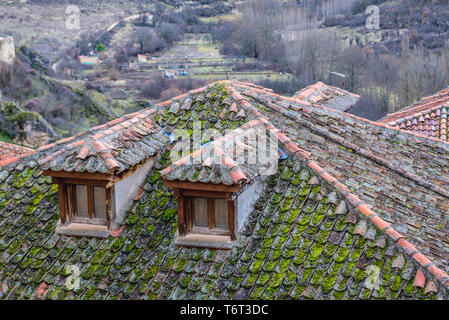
(100, 202)
(221, 214)
(200, 212)
(81, 201)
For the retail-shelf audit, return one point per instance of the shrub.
(170, 93)
(150, 89)
(100, 47)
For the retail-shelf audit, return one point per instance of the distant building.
(141, 58)
(89, 60)
(170, 74)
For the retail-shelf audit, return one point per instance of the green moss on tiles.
(337, 295)
(256, 266)
(341, 254)
(315, 252)
(263, 279)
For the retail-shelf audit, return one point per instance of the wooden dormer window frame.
(192, 195)
(92, 216)
(69, 184)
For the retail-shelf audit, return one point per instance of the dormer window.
(95, 204)
(100, 172)
(206, 213)
(218, 184)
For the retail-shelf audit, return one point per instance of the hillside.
(182, 45)
(37, 108)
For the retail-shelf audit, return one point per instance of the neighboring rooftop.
(327, 96)
(11, 152)
(310, 236)
(427, 117)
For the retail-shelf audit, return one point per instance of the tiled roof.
(111, 147)
(400, 174)
(324, 95)
(309, 236)
(427, 117)
(11, 152)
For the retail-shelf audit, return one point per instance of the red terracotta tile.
(166, 171)
(363, 208)
(421, 259)
(238, 175)
(112, 163)
(420, 279)
(99, 127)
(65, 140)
(379, 222)
(315, 166)
(438, 273)
(353, 199)
(97, 136)
(292, 147)
(326, 176)
(114, 122)
(407, 246)
(99, 147)
(83, 152)
(116, 233)
(228, 162)
(48, 146)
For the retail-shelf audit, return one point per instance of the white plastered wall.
(126, 189)
(246, 201)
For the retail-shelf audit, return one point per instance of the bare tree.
(146, 40)
(312, 55)
(351, 63)
(423, 73)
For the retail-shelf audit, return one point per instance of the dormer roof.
(109, 148)
(229, 159)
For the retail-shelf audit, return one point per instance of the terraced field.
(195, 57)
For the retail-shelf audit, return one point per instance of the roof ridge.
(380, 124)
(417, 109)
(343, 142)
(398, 239)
